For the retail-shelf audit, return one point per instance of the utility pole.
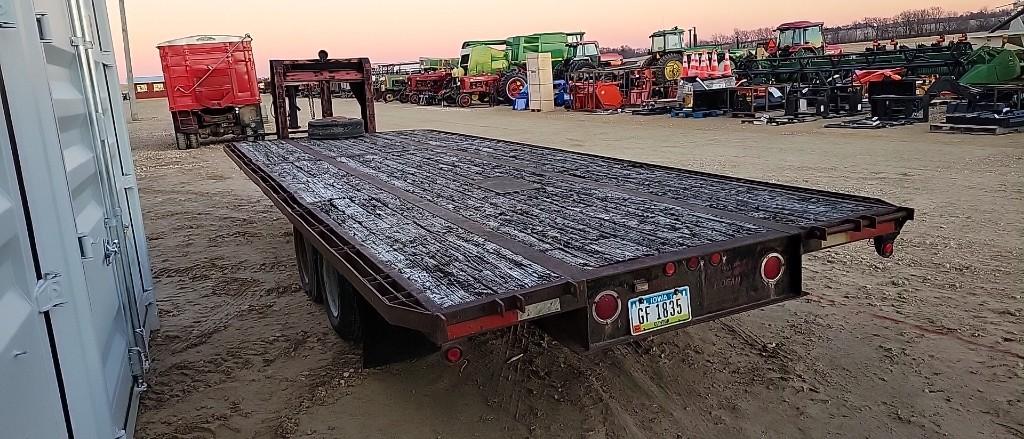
(128, 63)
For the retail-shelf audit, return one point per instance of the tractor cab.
(671, 40)
(800, 38)
(587, 55)
(583, 51)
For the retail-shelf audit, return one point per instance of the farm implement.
(463, 90)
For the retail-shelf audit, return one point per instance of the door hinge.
(138, 362)
(107, 58)
(48, 292)
(110, 249)
(126, 181)
(6, 14)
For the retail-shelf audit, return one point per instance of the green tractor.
(568, 53)
(669, 48)
(389, 80)
(435, 64)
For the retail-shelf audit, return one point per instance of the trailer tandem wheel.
(308, 261)
(341, 303)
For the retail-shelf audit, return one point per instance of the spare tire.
(338, 127)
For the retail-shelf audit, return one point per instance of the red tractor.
(463, 90)
(426, 88)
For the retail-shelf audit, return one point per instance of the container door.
(134, 251)
(28, 382)
(85, 141)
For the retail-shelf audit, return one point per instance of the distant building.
(149, 87)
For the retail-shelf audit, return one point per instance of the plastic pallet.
(972, 129)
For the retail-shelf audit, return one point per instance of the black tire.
(580, 64)
(337, 127)
(192, 141)
(403, 98)
(181, 141)
(503, 85)
(307, 259)
(389, 96)
(668, 68)
(465, 100)
(341, 302)
(414, 98)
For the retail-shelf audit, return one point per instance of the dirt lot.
(926, 344)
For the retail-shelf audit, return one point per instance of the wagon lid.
(201, 39)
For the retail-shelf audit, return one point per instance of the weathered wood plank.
(580, 211)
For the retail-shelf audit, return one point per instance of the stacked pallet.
(538, 75)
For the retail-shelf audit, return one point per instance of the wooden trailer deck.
(444, 221)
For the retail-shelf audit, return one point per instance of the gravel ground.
(926, 344)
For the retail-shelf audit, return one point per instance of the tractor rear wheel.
(669, 68)
(511, 85)
(580, 64)
(403, 98)
(465, 100)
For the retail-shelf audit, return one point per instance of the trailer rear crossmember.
(452, 235)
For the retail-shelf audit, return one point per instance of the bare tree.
(934, 20)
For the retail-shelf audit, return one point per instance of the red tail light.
(771, 267)
(607, 307)
(453, 354)
(715, 259)
(670, 269)
(693, 263)
(888, 249)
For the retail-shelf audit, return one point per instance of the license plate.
(659, 310)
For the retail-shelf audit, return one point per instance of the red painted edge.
(478, 325)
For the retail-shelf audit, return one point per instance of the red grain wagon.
(211, 87)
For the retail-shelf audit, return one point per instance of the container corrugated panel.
(216, 74)
(77, 320)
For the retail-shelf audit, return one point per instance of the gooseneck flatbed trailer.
(439, 236)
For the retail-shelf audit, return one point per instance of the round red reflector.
(670, 269)
(772, 266)
(715, 259)
(453, 354)
(606, 307)
(888, 249)
(693, 263)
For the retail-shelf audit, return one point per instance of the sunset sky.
(399, 30)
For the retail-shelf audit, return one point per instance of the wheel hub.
(673, 69)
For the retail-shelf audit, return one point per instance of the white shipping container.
(76, 294)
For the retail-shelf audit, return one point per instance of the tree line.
(911, 23)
